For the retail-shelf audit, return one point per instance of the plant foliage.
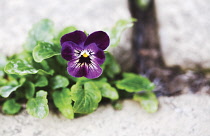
(37, 76)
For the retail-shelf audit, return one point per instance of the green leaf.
(22, 80)
(45, 50)
(3, 81)
(43, 72)
(41, 31)
(11, 107)
(61, 60)
(116, 32)
(135, 83)
(107, 90)
(3, 61)
(86, 99)
(1, 74)
(12, 80)
(44, 65)
(22, 56)
(117, 105)
(79, 79)
(128, 75)
(21, 67)
(62, 100)
(59, 82)
(5, 91)
(29, 90)
(41, 81)
(110, 66)
(148, 101)
(143, 4)
(38, 106)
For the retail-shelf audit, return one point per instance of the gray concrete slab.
(185, 115)
(184, 30)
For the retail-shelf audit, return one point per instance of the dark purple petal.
(93, 70)
(76, 69)
(77, 37)
(96, 54)
(70, 51)
(100, 38)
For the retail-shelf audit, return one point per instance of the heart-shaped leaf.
(86, 98)
(45, 50)
(107, 90)
(41, 81)
(43, 31)
(135, 83)
(22, 67)
(148, 101)
(38, 106)
(5, 91)
(11, 107)
(59, 82)
(62, 100)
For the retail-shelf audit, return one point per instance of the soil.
(149, 62)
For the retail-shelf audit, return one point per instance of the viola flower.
(84, 53)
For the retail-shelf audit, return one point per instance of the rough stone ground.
(184, 31)
(185, 115)
(17, 17)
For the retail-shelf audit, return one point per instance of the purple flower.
(84, 53)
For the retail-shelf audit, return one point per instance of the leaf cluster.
(37, 78)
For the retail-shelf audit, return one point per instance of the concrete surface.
(184, 30)
(185, 115)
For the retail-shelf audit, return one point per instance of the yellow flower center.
(85, 55)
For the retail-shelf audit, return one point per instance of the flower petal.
(96, 54)
(77, 37)
(76, 69)
(70, 51)
(93, 70)
(100, 38)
